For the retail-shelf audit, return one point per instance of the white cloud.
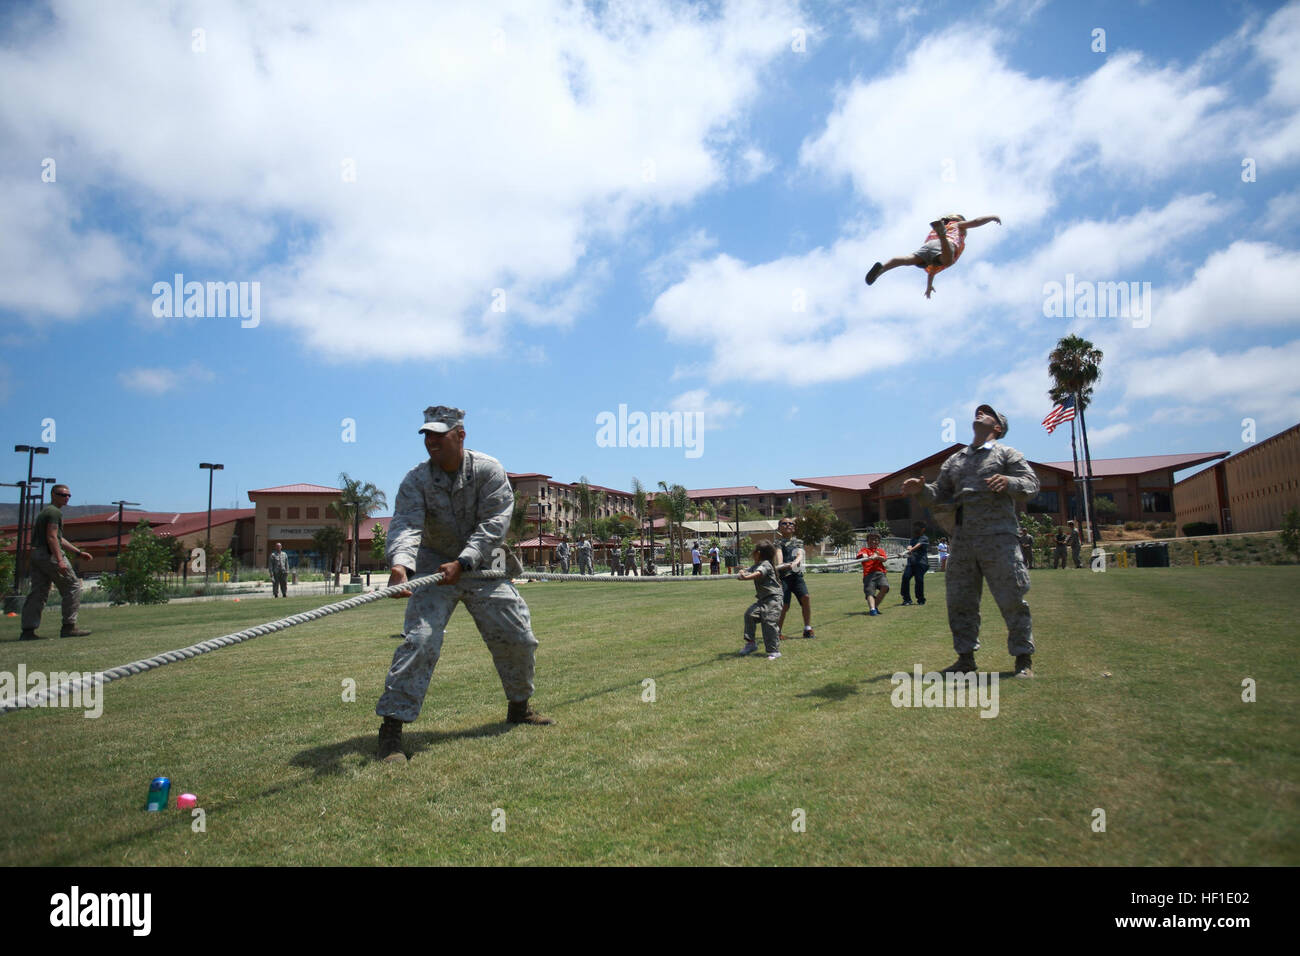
(1108, 433)
(492, 146)
(160, 381)
(718, 412)
(1283, 212)
(1249, 284)
(53, 266)
(754, 164)
(1260, 382)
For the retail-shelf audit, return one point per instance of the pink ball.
(186, 800)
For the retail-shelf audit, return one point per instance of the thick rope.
(66, 689)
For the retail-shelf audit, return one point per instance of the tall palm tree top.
(1074, 365)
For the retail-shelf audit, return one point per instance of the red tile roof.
(299, 489)
(1110, 467)
(740, 491)
(843, 482)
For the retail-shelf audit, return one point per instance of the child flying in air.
(943, 246)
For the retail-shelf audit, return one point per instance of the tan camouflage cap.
(442, 418)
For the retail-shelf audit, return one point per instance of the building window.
(1044, 503)
(273, 512)
(293, 513)
(313, 512)
(1155, 501)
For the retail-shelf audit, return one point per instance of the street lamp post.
(207, 546)
(117, 559)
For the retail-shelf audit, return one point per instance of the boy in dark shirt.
(918, 563)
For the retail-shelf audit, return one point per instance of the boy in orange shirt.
(943, 246)
(873, 573)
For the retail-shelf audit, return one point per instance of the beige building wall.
(1263, 482)
(292, 519)
(1197, 498)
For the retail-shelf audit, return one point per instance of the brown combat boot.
(520, 713)
(73, 631)
(1024, 665)
(29, 634)
(390, 741)
(964, 664)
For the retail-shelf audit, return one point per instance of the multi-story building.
(1251, 491)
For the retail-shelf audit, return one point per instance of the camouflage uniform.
(279, 568)
(766, 609)
(562, 555)
(615, 561)
(439, 518)
(584, 556)
(985, 543)
(1027, 548)
(1072, 539)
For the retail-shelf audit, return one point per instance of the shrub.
(1133, 525)
(1196, 528)
(1152, 526)
(145, 557)
(1290, 536)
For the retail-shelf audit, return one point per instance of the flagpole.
(1075, 452)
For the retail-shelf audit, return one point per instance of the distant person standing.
(278, 565)
(918, 563)
(696, 561)
(1058, 556)
(584, 555)
(629, 557)
(714, 565)
(616, 561)
(562, 554)
(49, 565)
(943, 554)
(1027, 547)
(1072, 539)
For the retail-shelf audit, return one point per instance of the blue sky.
(540, 211)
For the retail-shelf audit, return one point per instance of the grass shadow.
(327, 760)
(832, 692)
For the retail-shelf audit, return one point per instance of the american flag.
(1059, 415)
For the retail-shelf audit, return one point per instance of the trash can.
(1151, 554)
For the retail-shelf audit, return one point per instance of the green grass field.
(714, 769)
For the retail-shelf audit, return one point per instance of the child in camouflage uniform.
(766, 609)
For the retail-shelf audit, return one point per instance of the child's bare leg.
(945, 248)
(894, 263)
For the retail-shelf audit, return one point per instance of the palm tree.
(357, 500)
(519, 521)
(589, 500)
(641, 504)
(329, 542)
(676, 504)
(1075, 365)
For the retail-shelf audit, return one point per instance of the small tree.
(841, 533)
(145, 556)
(815, 523)
(6, 563)
(378, 545)
(329, 541)
(1290, 536)
(883, 529)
